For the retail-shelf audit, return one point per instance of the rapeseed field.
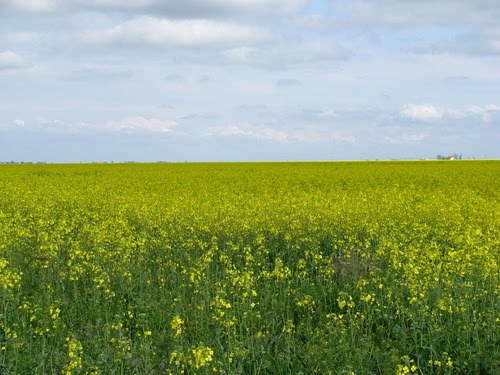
(250, 268)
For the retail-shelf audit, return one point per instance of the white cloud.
(190, 8)
(429, 113)
(283, 55)
(485, 113)
(140, 123)
(157, 32)
(321, 134)
(20, 37)
(492, 107)
(339, 138)
(285, 5)
(405, 138)
(484, 42)
(476, 110)
(305, 134)
(421, 112)
(249, 131)
(17, 123)
(35, 6)
(424, 12)
(118, 4)
(126, 124)
(327, 114)
(171, 8)
(10, 60)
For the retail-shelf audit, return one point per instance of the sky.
(248, 80)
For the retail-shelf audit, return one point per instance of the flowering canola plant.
(341, 268)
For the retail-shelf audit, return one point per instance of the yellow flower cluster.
(75, 351)
(177, 325)
(9, 278)
(197, 357)
(201, 356)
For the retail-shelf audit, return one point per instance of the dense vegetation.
(341, 268)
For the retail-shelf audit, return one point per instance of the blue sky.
(243, 80)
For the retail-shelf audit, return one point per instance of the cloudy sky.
(222, 80)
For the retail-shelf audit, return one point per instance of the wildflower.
(344, 300)
(368, 298)
(54, 312)
(307, 301)
(177, 324)
(289, 327)
(201, 356)
(449, 362)
(177, 359)
(75, 350)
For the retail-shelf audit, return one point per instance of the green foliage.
(341, 268)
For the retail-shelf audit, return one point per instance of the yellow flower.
(449, 362)
(289, 327)
(369, 298)
(177, 324)
(75, 349)
(54, 312)
(201, 356)
(308, 300)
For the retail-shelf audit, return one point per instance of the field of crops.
(251, 268)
